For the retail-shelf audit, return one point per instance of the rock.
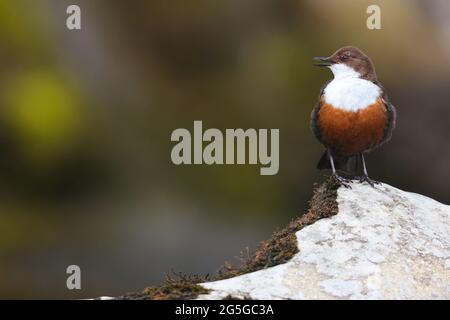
(384, 243)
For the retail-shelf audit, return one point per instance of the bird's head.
(348, 62)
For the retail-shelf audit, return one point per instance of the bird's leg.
(341, 180)
(355, 167)
(365, 176)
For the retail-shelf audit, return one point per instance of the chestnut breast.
(352, 132)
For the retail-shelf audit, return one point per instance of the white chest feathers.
(348, 92)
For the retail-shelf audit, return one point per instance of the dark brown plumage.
(350, 131)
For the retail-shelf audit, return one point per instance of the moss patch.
(177, 286)
(280, 248)
(231, 297)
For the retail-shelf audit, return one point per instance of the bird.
(353, 115)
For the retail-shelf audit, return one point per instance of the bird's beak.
(323, 61)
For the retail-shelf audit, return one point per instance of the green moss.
(177, 286)
(231, 297)
(280, 248)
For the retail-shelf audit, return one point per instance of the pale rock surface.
(384, 243)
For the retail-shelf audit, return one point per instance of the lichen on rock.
(358, 243)
(384, 243)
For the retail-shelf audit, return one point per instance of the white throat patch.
(341, 70)
(348, 91)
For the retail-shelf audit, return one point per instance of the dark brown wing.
(392, 114)
(315, 113)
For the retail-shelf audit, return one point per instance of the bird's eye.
(345, 55)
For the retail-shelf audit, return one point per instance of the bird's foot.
(343, 181)
(366, 178)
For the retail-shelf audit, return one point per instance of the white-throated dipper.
(353, 115)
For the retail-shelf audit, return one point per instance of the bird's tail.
(347, 164)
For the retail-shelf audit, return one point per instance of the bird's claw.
(366, 178)
(342, 181)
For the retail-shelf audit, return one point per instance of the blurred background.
(86, 116)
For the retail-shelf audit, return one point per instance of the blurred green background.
(86, 117)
